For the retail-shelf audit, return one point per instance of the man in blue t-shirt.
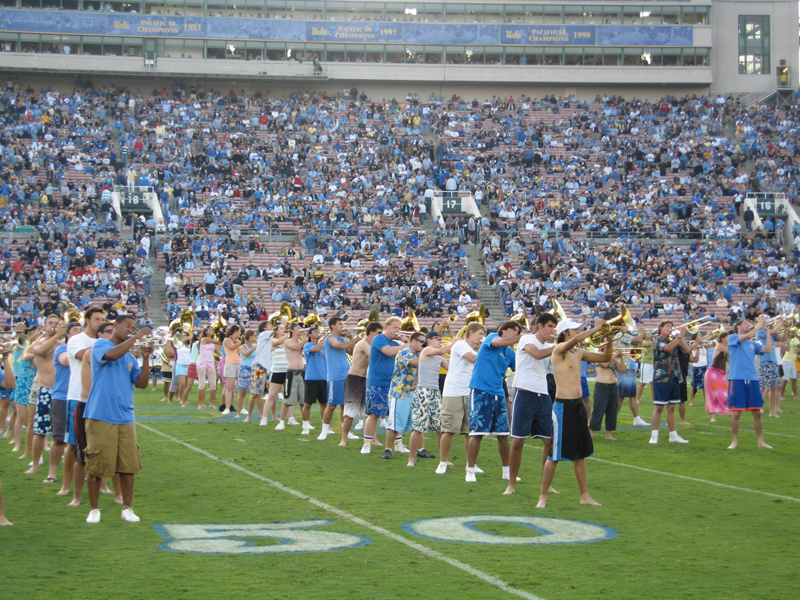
(744, 392)
(488, 410)
(111, 446)
(382, 352)
(316, 377)
(769, 377)
(337, 366)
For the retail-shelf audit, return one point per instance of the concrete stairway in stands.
(157, 304)
(488, 295)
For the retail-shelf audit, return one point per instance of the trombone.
(692, 327)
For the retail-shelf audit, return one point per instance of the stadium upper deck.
(718, 46)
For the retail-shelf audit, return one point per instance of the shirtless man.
(571, 438)
(355, 384)
(293, 391)
(42, 351)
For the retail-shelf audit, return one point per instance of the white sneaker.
(654, 438)
(470, 478)
(507, 477)
(442, 468)
(640, 422)
(263, 422)
(292, 421)
(401, 448)
(280, 426)
(128, 515)
(383, 423)
(226, 412)
(305, 431)
(323, 435)
(360, 425)
(352, 436)
(477, 470)
(94, 516)
(244, 412)
(676, 439)
(365, 449)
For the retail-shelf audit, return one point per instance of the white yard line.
(490, 579)
(766, 433)
(696, 480)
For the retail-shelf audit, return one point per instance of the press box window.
(754, 39)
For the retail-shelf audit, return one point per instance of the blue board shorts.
(744, 394)
(488, 413)
(377, 400)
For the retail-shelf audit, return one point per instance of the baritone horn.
(613, 328)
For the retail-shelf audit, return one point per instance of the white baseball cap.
(567, 324)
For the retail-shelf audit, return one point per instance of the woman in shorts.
(233, 362)
(280, 364)
(248, 354)
(25, 372)
(191, 374)
(205, 367)
(180, 368)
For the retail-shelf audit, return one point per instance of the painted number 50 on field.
(300, 536)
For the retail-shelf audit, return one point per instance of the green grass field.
(689, 521)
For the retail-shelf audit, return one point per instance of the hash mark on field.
(491, 579)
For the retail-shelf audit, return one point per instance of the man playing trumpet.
(667, 378)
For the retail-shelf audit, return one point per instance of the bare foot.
(377, 443)
(685, 423)
(118, 500)
(163, 399)
(343, 443)
(4, 521)
(509, 490)
(105, 490)
(691, 403)
(32, 471)
(542, 502)
(62, 492)
(733, 446)
(247, 420)
(410, 464)
(24, 456)
(613, 439)
(774, 416)
(713, 420)
(200, 407)
(779, 410)
(588, 500)
(763, 445)
(74, 503)
(552, 490)
(212, 407)
(183, 406)
(449, 464)
(15, 449)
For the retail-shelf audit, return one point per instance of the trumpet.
(634, 353)
(406, 334)
(713, 336)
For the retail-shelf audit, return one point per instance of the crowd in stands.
(613, 200)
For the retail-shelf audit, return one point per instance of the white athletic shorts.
(647, 373)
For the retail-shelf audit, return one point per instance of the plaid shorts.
(426, 410)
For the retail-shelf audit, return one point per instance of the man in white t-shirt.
(76, 348)
(262, 365)
(455, 396)
(533, 406)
